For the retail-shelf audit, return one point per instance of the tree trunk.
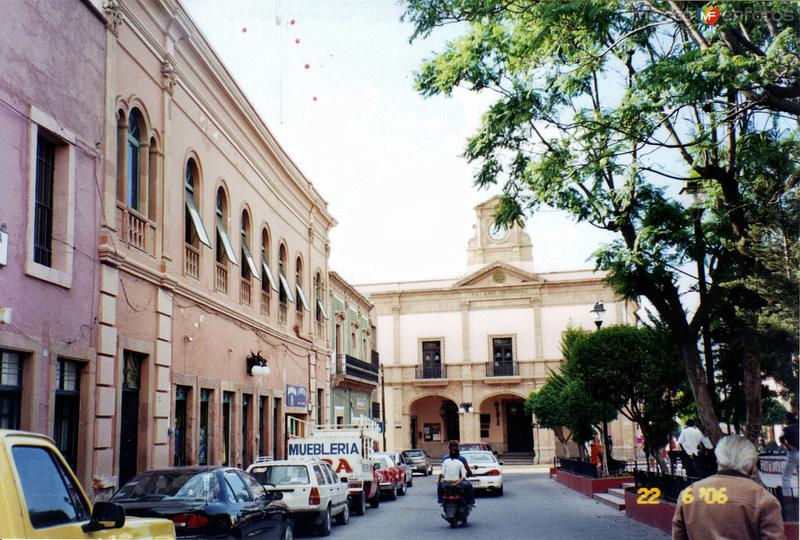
(559, 433)
(660, 460)
(699, 385)
(751, 383)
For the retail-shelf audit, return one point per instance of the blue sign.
(296, 396)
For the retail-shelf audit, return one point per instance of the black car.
(418, 460)
(207, 502)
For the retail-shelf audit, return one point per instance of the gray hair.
(736, 453)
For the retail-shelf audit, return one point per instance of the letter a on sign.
(343, 466)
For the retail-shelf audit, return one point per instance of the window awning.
(286, 287)
(270, 277)
(197, 221)
(226, 243)
(250, 262)
(303, 298)
(321, 308)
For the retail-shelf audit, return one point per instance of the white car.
(486, 470)
(311, 490)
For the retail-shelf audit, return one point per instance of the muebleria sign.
(304, 448)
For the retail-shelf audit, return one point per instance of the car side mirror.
(276, 495)
(343, 480)
(376, 466)
(501, 463)
(105, 515)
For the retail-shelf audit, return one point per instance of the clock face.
(497, 233)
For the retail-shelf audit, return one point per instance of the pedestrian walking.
(596, 451)
(690, 441)
(789, 439)
(729, 504)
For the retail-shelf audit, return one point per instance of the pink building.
(51, 133)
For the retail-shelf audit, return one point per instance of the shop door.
(413, 431)
(518, 428)
(181, 398)
(67, 409)
(129, 422)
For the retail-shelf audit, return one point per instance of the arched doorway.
(505, 424)
(434, 421)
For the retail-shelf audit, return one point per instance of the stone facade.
(213, 250)
(51, 131)
(461, 355)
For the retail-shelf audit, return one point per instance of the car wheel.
(402, 489)
(288, 531)
(500, 492)
(360, 504)
(324, 528)
(430, 471)
(375, 501)
(393, 494)
(410, 482)
(343, 518)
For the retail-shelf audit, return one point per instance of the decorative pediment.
(498, 274)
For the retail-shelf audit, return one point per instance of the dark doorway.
(129, 421)
(203, 449)
(67, 409)
(262, 428)
(227, 398)
(449, 412)
(10, 389)
(276, 418)
(519, 432)
(413, 432)
(246, 398)
(181, 399)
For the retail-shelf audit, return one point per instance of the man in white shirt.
(453, 471)
(690, 440)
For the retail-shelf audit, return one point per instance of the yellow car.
(41, 498)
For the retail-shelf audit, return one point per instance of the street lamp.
(598, 310)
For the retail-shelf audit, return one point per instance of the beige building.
(214, 248)
(461, 355)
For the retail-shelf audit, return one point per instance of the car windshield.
(168, 485)
(469, 447)
(281, 475)
(478, 457)
(413, 453)
(384, 461)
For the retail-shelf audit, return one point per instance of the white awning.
(226, 243)
(197, 221)
(286, 287)
(250, 262)
(303, 298)
(270, 277)
(321, 308)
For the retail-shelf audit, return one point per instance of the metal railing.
(221, 279)
(191, 261)
(245, 290)
(265, 301)
(375, 357)
(789, 503)
(353, 367)
(670, 485)
(576, 466)
(502, 369)
(431, 371)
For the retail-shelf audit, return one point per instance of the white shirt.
(453, 470)
(690, 440)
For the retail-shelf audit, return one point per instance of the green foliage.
(774, 412)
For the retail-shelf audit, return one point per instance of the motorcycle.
(455, 509)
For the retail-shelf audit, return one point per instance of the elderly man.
(729, 504)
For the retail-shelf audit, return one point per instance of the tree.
(605, 108)
(638, 371)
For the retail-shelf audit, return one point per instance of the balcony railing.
(502, 369)
(191, 261)
(245, 292)
(135, 229)
(432, 371)
(375, 357)
(266, 298)
(298, 318)
(221, 279)
(320, 329)
(282, 314)
(353, 367)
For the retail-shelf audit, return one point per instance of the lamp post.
(599, 310)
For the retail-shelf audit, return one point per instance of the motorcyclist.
(455, 471)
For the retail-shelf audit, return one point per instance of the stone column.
(163, 362)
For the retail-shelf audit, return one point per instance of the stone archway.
(434, 421)
(504, 423)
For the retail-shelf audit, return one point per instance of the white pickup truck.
(348, 449)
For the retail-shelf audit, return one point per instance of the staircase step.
(610, 500)
(626, 485)
(617, 492)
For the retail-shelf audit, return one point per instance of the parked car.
(401, 462)
(476, 447)
(205, 502)
(41, 498)
(486, 470)
(419, 460)
(311, 490)
(393, 482)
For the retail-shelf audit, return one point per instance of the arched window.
(132, 180)
(284, 291)
(300, 285)
(225, 251)
(268, 283)
(247, 270)
(319, 299)
(152, 179)
(194, 231)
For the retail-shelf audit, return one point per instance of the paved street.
(533, 507)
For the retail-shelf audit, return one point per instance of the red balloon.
(297, 40)
(308, 66)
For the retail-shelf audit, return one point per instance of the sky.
(385, 159)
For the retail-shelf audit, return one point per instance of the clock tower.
(491, 244)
